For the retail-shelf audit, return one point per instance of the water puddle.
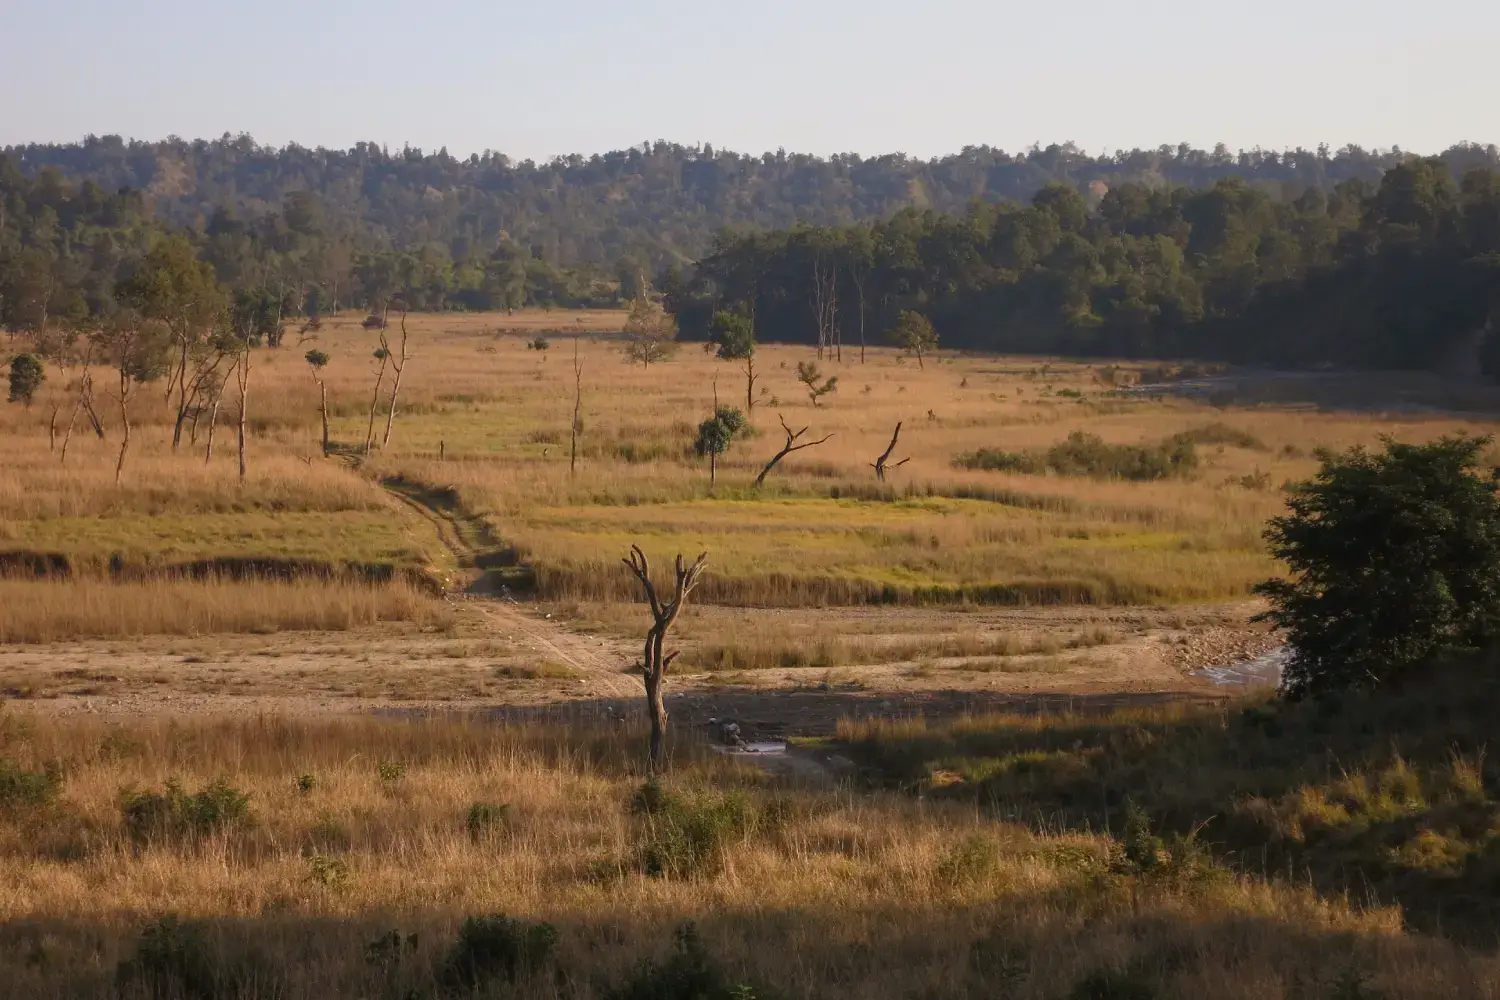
(1263, 671)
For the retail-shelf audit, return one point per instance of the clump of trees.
(1395, 563)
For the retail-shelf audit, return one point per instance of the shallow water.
(1263, 671)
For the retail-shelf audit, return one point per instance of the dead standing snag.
(656, 660)
(790, 446)
(879, 465)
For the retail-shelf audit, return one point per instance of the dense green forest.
(1355, 257)
(1400, 272)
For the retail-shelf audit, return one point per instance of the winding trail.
(486, 571)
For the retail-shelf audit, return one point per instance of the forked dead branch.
(655, 661)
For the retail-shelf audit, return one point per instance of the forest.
(1347, 257)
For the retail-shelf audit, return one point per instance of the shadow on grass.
(1386, 798)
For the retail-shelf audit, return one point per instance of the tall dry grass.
(37, 611)
(359, 828)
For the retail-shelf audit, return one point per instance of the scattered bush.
(328, 871)
(306, 783)
(26, 377)
(496, 947)
(690, 973)
(686, 839)
(538, 343)
(20, 788)
(173, 814)
(486, 816)
(391, 771)
(973, 860)
(1085, 454)
(176, 960)
(387, 951)
(1220, 433)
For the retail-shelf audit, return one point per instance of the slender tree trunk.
(52, 428)
(713, 468)
(323, 387)
(390, 413)
(93, 414)
(125, 440)
(243, 376)
(577, 409)
(213, 422)
(750, 384)
(182, 395)
(68, 431)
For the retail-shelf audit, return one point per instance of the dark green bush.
(1220, 433)
(690, 973)
(683, 839)
(20, 788)
(176, 960)
(1088, 455)
(485, 816)
(173, 813)
(1113, 984)
(496, 947)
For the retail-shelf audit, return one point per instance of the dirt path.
(486, 571)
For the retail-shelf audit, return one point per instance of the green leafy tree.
(26, 376)
(733, 334)
(715, 436)
(915, 335)
(652, 334)
(811, 377)
(1395, 561)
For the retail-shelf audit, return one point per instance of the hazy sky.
(924, 77)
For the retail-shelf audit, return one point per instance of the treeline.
(66, 245)
(1401, 272)
(640, 209)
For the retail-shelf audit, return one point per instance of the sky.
(923, 77)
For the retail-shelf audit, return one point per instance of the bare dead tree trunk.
(242, 377)
(399, 365)
(577, 409)
(323, 408)
(790, 446)
(655, 661)
(88, 409)
(182, 391)
(879, 465)
(750, 378)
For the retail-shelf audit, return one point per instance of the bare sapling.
(242, 380)
(655, 661)
(577, 426)
(383, 355)
(792, 437)
(399, 358)
(316, 362)
(880, 464)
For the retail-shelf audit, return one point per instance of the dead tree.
(398, 365)
(577, 410)
(790, 446)
(655, 661)
(383, 355)
(242, 379)
(879, 465)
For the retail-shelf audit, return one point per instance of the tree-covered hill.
(652, 205)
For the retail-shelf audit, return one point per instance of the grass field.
(482, 413)
(300, 860)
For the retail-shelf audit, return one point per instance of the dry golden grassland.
(821, 531)
(362, 846)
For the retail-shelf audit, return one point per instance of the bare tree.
(242, 379)
(383, 355)
(791, 445)
(140, 354)
(213, 418)
(655, 660)
(879, 465)
(316, 362)
(398, 365)
(577, 410)
(825, 304)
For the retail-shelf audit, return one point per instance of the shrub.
(306, 783)
(682, 839)
(26, 377)
(20, 788)
(387, 951)
(1085, 454)
(494, 947)
(485, 816)
(1220, 433)
(1395, 561)
(690, 973)
(391, 771)
(1113, 984)
(328, 871)
(173, 813)
(175, 960)
(973, 860)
